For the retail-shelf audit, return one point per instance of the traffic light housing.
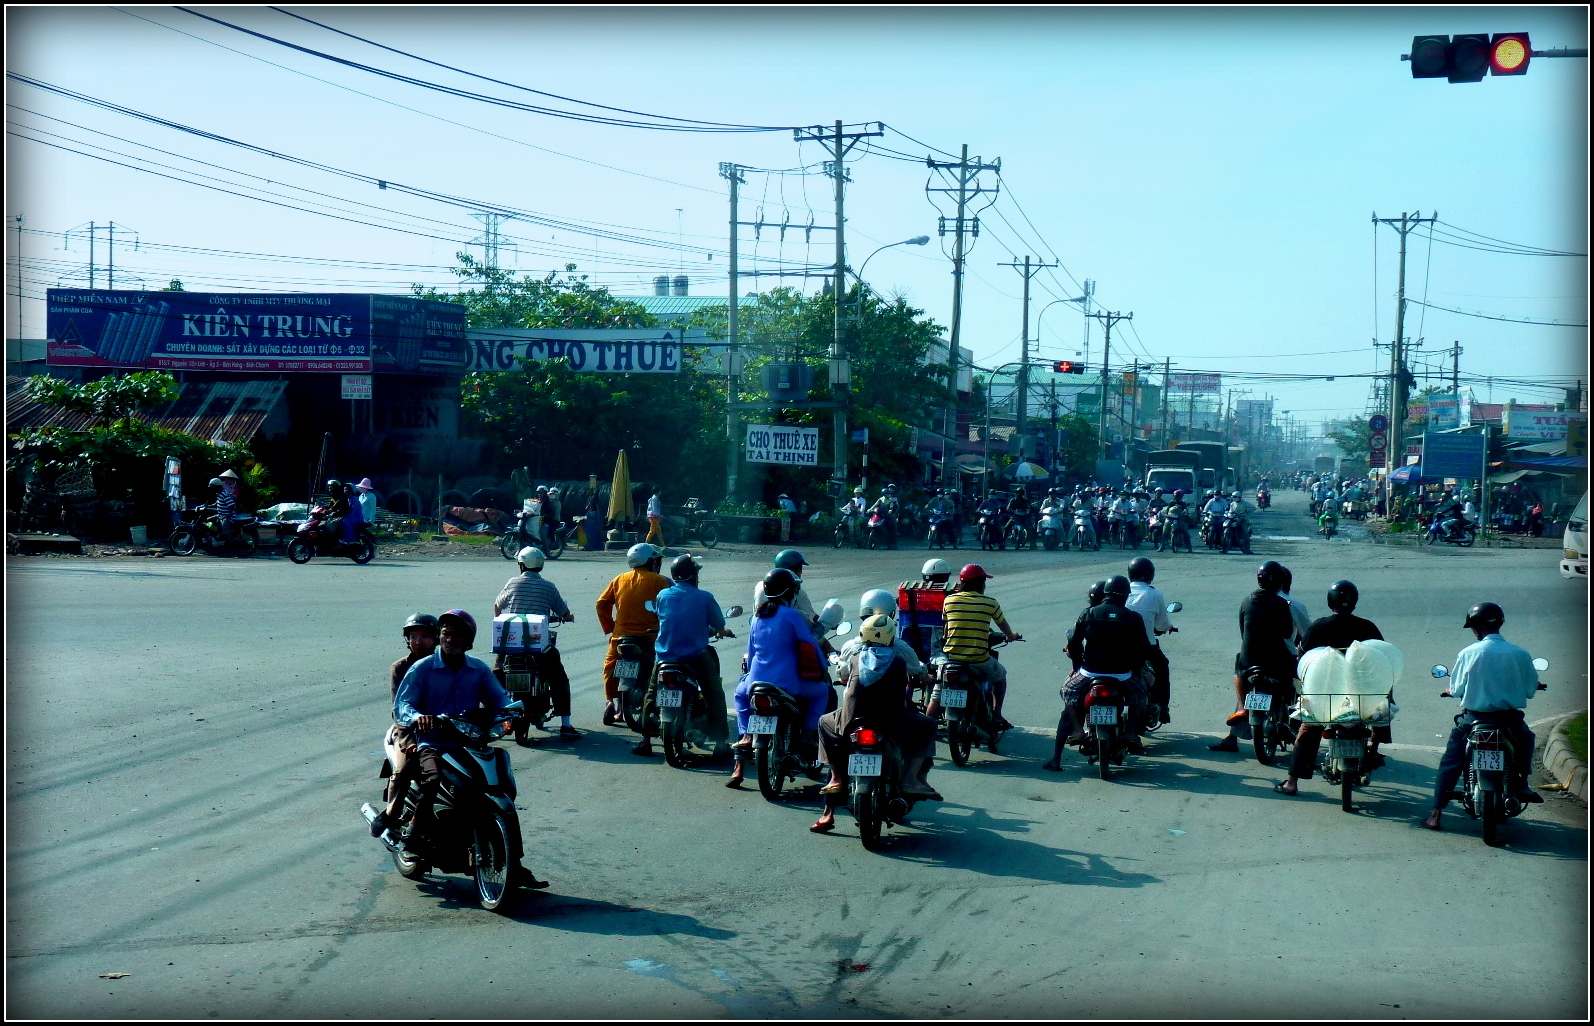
(1470, 56)
(1068, 367)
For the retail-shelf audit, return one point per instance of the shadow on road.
(582, 915)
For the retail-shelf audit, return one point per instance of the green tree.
(502, 299)
(1352, 438)
(175, 285)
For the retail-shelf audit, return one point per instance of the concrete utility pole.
(964, 228)
(1108, 319)
(1028, 269)
(1398, 390)
(841, 143)
(1455, 369)
(1167, 366)
(733, 355)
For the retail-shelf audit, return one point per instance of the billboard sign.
(1537, 425)
(782, 443)
(1459, 456)
(588, 350)
(289, 332)
(1184, 381)
(1444, 412)
(356, 386)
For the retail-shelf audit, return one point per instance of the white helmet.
(935, 566)
(877, 601)
(530, 558)
(640, 554)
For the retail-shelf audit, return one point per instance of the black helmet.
(685, 568)
(1342, 596)
(1142, 569)
(425, 620)
(1117, 587)
(1485, 614)
(791, 559)
(1098, 591)
(1271, 576)
(780, 583)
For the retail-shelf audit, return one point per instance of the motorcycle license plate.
(1104, 715)
(669, 698)
(1342, 748)
(1488, 760)
(518, 681)
(628, 668)
(1258, 701)
(861, 765)
(762, 724)
(954, 699)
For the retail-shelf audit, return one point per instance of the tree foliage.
(1352, 438)
(499, 298)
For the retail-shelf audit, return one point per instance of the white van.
(1574, 543)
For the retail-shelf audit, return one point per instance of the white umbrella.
(1029, 472)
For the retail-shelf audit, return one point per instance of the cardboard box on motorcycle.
(520, 633)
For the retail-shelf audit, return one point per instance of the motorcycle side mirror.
(733, 612)
(843, 628)
(1541, 664)
(1440, 671)
(1174, 607)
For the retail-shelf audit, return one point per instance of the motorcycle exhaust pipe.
(370, 813)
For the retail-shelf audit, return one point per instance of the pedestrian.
(593, 521)
(655, 521)
(365, 503)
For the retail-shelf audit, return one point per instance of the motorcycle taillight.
(865, 737)
(1101, 693)
(763, 704)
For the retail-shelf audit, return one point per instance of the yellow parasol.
(621, 508)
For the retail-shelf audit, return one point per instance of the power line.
(1513, 245)
(1495, 317)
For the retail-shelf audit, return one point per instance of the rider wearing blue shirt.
(690, 618)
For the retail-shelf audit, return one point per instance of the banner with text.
(1187, 382)
(589, 350)
(780, 443)
(1459, 456)
(1538, 425)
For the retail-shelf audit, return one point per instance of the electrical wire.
(1513, 245)
(1495, 317)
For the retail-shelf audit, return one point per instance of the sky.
(1215, 172)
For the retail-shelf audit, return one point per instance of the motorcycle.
(1128, 529)
(849, 528)
(874, 774)
(1211, 528)
(1235, 532)
(1084, 534)
(1264, 499)
(941, 533)
(679, 698)
(1109, 723)
(473, 828)
(882, 530)
(1488, 791)
(1267, 709)
(199, 526)
(780, 751)
(1355, 509)
(521, 676)
(965, 710)
(700, 523)
(1327, 524)
(1016, 533)
(1052, 530)
(529, 529)
(1176, 533)
(991, 533)
(1464, 535)
(316, 538)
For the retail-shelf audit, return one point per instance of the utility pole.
(1398, 380)
(1090, 294)
(1108, 319)
(490, 239)
(964, 228)
(1021, 412)
(1455, 369)
(1167, 365)
(841, 142)
(19, 221)
(733, 355)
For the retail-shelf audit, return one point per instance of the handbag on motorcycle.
(520, 633)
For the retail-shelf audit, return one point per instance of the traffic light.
(1068, 367)
(1471, 56)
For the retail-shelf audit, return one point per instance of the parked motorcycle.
(679, 698)
(874, 774)
(199, 527)
(780, 751)
(1235, 532)
(473, 827)
(1053, 529)
(316, 537)
(1267, 706)
(1488, 790)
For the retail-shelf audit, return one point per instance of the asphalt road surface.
(189, 741)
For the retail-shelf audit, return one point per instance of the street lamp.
(917, 240)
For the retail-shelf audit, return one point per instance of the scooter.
(849, 528)
(633, 666)
(1053, 531)
(1235, 532)
(1487, 783)
(940, 534)
(882, 531)
(874, 775)
(1463, 536)
(679, 698)
(1084, 536)
(314, 538)
(529, 529)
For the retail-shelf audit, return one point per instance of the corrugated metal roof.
(218, 411)
(674, 306)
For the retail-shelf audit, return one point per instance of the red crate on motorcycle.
(920, 618)
(521, 633)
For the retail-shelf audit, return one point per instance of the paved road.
(189, 740)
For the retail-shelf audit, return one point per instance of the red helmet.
(974, 572)
(1178, 493)
(458, 618)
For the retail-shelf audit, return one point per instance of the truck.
(1214, 464)
(1324, 465)
(1172, 470)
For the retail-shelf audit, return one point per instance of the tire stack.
(78, 501)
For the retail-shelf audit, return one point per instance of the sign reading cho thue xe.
(224, 331)
(782, 443)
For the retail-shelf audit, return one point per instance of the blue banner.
(1452, 456)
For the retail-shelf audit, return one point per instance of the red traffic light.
(1068, 367)
(1509, 53)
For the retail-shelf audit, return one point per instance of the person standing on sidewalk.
(655, 521)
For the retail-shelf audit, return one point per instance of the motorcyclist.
(994, 509)
(877, 674)
(889, 506)
(1216, 506)
(552, 517)
(1176, 513)
(1153, 608)
(942, 505)
(446, 683)
(1340, 629)
(1267, 630)
(623, 613)
(420, 639)
(780, 650)
(338, 513)
(879, 602)
(226, 485)
(1109, 640)
(966, 640)
(690, 618)
(920, 604)
(1023, 511)
(1074, 647)
(531, 593)
(1494, 680)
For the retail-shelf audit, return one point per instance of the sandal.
(1279, 787)
(823, 828)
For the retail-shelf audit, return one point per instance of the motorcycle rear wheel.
(508, 546)
(408, 865)
(958, 743)
(300, 551)
(1347, 788)
(182, 542)
(494, 867)
(631, 708)
(865, 809)
(708, 532)
(367, 551)
(248, 541)
(771, 760)
(1262, 738)
(672, 736)
(1491, 813)
(1103, 752)
(841, 537)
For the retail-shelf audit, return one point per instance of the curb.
(1562, 765)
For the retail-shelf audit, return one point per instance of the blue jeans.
(811, 695)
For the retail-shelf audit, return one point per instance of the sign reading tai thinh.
(780, 443)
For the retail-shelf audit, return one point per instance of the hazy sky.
(1215, 172)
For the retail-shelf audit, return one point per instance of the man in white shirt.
(1298, 612)
(1494, 680)
(1153, 609)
